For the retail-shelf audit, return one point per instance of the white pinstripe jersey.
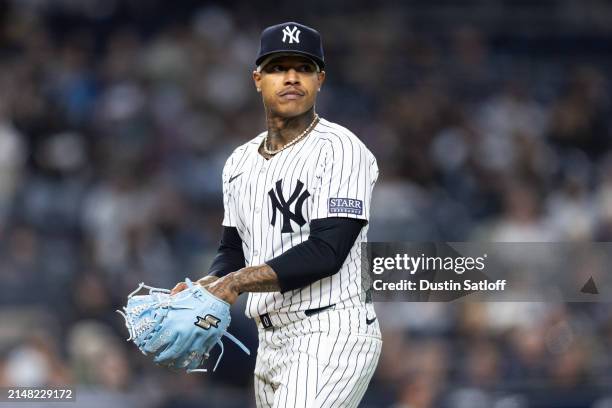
(330, 173)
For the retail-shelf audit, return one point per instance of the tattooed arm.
(261, 278)
(321, 255)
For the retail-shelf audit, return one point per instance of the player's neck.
(283, 130)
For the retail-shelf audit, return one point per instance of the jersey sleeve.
(229, 202)
(347, 175)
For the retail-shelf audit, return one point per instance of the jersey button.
(257, 210)
(255, 253)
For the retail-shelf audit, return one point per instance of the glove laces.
(144, 325)
(220, 343)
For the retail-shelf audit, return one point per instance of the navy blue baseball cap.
(291, 38)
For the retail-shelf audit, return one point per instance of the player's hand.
(205, 281)
(224, 288)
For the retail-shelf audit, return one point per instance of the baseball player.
(296, 208)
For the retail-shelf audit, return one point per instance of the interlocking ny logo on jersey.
(207, 322)
(279, 203)
(292, 33)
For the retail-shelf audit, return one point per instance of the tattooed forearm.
(261, 278)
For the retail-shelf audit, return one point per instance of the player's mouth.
(291, 94)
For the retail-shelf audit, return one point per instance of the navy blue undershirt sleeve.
(320, 256)
(230, 256)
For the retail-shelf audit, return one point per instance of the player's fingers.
(181, 286)
(207, 280)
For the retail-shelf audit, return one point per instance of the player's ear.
(321, 78)
(257, 80)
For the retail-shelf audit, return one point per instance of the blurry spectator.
(12, 159)
(522, 220)
(35, 363)
(581, 117)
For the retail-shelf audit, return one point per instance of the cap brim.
(265, 56)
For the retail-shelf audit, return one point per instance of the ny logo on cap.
(292, 33)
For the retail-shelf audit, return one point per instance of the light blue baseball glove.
(179, 330)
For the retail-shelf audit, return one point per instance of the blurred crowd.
(116, 118)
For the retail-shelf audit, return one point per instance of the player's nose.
(292, 77)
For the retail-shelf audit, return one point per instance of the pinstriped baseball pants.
(322, 361)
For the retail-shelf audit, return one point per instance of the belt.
(266, 319)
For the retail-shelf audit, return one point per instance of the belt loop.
(265, 321)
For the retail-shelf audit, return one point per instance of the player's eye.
(276, 68)
(307, 68)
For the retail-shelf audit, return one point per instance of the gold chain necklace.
(291, 143)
